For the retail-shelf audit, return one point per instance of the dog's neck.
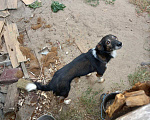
(103, 55)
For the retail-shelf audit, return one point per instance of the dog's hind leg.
(61, 99)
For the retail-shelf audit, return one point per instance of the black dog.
(94, 60)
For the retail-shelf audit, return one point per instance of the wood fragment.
(8, 4)
(11, 99)
(11, 4)
(3, 4)
(138, 100)
(117, 104)
(80, 46)
(136, 93)
(10, 46)
(19, 55)
(24, 70)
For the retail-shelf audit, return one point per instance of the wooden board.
(10, 46)
(24, 70)
(138, 100)
(11, 4)
(8, 4)
(28, 2)
(3, 4)
(11, 99)
(80, 46)
(19, 54)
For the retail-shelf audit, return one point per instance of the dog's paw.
(100, 80)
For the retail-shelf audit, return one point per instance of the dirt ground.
(86, 24)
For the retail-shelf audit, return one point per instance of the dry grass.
(140, 75)
(87, 108)
(141, 5)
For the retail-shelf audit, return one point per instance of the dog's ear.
(99, 47)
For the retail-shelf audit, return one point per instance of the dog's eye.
(108, 42)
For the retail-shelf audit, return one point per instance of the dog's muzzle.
(118, 46)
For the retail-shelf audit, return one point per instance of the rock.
(1, 115)
(1, 105)
(2, 98)
(9, 75)
(4, 89)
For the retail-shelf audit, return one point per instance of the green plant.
(71, 114)
(56, 6)
(140, 75)
(141, 5)
(93, 3)
(89, 102)
(109, 1)
(35, 5)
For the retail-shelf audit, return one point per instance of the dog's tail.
(38, 86)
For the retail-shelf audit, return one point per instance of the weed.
(71, 114)
(140, 75)
(93, 3)
(118, 86)
(109, 1)
(90, 103)
(142, 5)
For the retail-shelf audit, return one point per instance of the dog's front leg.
(100, 78)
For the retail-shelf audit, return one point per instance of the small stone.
(1, 115)
(67, 53)
(130, 20)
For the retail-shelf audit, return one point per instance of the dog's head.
(108, 44)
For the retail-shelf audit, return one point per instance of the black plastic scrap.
(56, 6)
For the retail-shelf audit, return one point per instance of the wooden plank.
(3, 4)
(24, 70)
(11, 4)
(19, 54)
(11, 99)
(8, 35)
(135, 93)
(117, 104)
(12, 44)
(28, 2)
(80, 46)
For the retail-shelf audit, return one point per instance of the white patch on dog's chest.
(94, 52)
(113, 54)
